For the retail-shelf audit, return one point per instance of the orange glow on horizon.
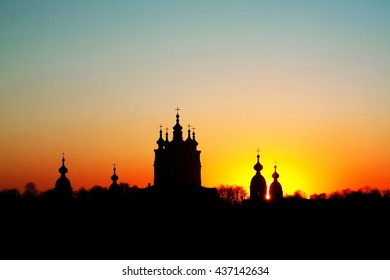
(308, 96)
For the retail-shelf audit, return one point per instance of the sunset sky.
(306, 82)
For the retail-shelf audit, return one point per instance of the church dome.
(177, 126)
(258, 186)
(189, 140)
(195, 143)
(160, 142)
(258, 180)
(114, 177)
(63, 170)
(114, 187)
(63, 185)
(258, 167)
(177, 129)
(275, 175)
(275, 189)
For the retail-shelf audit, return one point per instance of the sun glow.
(99, 95)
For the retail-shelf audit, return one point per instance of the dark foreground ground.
(172, 228)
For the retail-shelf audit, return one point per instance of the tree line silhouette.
(233, 195)
(147, 223)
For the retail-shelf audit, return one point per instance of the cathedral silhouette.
(177, 168)
(177, 162)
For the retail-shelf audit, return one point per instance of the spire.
(275, 189)
(258, 186)
(258, 167)
(166, 134)
(114, 177)
(189, 140)
(177, 129)
(193, 137)
(160, 142)
(63, 186)
(114, 187)
(63, 170)
(275, 175)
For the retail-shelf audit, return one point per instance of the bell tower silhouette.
(114, 187)
(258, 187)
(275, 189)
(63, 186)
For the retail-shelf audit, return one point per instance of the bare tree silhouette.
(298, 194)
(30, 190)
(235, 195)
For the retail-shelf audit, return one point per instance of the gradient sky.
(306, 82)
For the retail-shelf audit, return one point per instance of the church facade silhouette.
(177, 166)
(177, 162)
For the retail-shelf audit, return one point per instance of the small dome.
(259, 181)
(275, 190)
(160, 142)
(114, 177)
(189, 140)
(114, 186)
(166, 135)
(193, 138)
(63, 185)
(63, 170)
(258, 167)
(177, 126)
(258, 186)
(275, 187)
(177, 130)
(275, 175)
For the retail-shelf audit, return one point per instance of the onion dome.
(160, 142)
(166, 135)
(114, 187)
(189, 140)
(193, 137)
(194, 140)
(177, 126)
(114, 177)
(63, 170)
(275, 189)
(177, 129)
(63, 186)
(275, 175)
(258, 167)
(258, 186)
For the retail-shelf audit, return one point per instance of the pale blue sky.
(70, 65)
